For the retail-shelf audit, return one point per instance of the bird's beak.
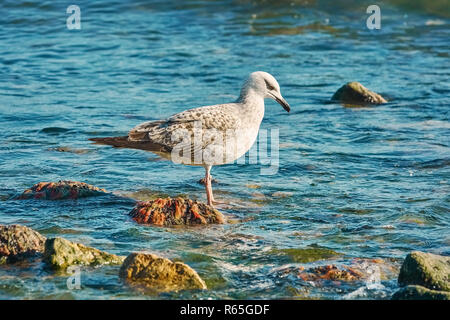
(278, 98)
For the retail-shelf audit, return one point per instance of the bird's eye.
(269, 86)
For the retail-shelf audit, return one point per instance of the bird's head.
(266, 86)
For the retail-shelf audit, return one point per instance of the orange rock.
(177, 211)
(329, 272)
(60, 190)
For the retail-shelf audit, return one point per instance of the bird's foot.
(212, 203)
(220, 205)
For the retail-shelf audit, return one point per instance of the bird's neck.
(250, 96)
(252, 104)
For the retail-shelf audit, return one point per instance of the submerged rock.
(145, 195)
(177, 211)
(420, 293)
(70, 150)
(356, 93)
(305, 255)
(357, 269)
(425, 269)
(159, 274)
(60, 253)
(61, 190)
(330, 272)
(376, 268)
(18, 242)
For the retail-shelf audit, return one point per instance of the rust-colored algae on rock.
(357, 269)
(17, 242)
(159, 274)
(330, 272)
(63, 189)
(177, 211)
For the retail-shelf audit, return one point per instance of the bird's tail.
(124, 142)
(118, 142)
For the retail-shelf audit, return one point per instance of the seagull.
(209, 135)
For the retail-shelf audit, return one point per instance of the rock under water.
(304, 255)
(330, 272)
(177, 211)
(63, 189)
(357, 269)
(420, 293)
(159, 274)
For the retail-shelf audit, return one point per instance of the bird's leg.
(208, 187)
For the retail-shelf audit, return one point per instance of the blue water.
(368, 182)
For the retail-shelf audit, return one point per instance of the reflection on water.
(362, 182)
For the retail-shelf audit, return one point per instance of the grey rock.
(420, 293)
(356, 93)
(18, 242)
(425, 269)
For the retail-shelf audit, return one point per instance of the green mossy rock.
(420, 293)
(159, 274)
(425, 269)
(306, 255)
(60, 253)
(356, 93)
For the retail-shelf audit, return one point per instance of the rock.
(305, 255)
(253, 186)
(145, 195)
(330, 272)
(18, 242)
(159, 274)
(356, 93)
(425, 269)
(357, 269)
(282, 194)
(177, 211)
(60, 253)
(61, 190)
(420, 293)
(382, 269)
(70, 150)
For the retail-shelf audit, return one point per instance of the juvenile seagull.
(210, 135)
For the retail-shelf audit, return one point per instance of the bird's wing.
(219, 118)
